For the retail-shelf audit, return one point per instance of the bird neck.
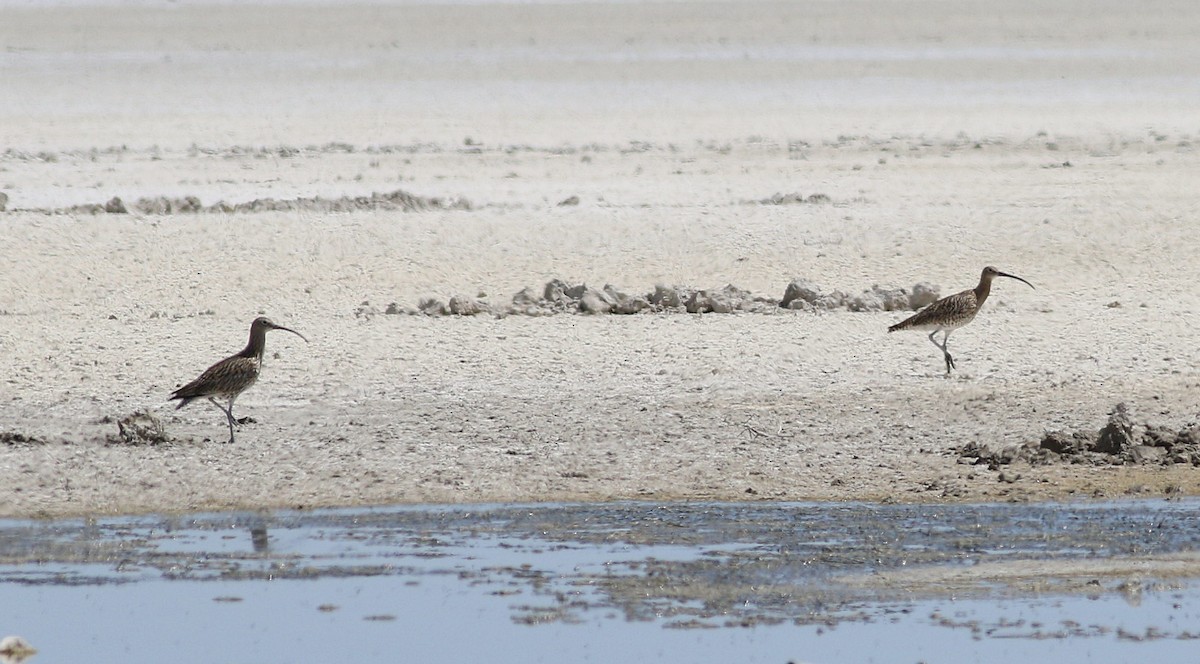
(258, 343)
(982, 290)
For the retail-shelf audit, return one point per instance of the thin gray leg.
(949, 359)
(228, 414)
(942, 347)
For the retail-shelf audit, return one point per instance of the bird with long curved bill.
(233, 375)
(953, 311)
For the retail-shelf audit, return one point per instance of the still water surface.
(647, 582)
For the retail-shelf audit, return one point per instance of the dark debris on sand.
(139, 428)
(17, 438)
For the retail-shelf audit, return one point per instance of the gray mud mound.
(140, 428)
(1121, 441)
(558, 296)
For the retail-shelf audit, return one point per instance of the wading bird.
(233, 375)
(953, 311)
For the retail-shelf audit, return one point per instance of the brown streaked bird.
(233, 375)
(953, 311)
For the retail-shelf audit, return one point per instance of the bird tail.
(900, 326)
(183, 401)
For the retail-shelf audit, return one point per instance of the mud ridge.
(558, 297)
(398, 200)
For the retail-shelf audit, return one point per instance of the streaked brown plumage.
(233, 375)
(953, 311)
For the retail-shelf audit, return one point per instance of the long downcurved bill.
(288, 329)
(998, 274)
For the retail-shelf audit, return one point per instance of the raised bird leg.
(228, 415)
(942, 347)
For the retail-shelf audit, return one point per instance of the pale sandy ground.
(939, 129)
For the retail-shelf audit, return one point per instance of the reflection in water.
(258, 539)
(14, 650)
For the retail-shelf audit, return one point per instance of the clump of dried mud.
(794, 198)
(558, 296)
(18, 438)
(1121, 441)
(140, 428)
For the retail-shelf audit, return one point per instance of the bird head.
(990, 273)
(263, 323)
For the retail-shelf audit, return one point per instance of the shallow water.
(612, 582)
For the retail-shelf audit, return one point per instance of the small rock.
(669, 297)
(800, 289)
(465, 306)
(594, 302)
(727, 300)
(1117, 435)
(747, 301)
(868, 301)
(624, 303)
(575, 292)
(834, 300)
(561, 294)
(115, 206)
(366, 310)
(699, 303)
(795, 198)
(570, 200)
(1009, 478)
(164, 205)
(894, 299)
(555, 291)
(90, 208)
(1009, 454)
(923, 294)
(783, 199)
(1189, 437)
(1147, 454)
(1063, 443)
(880, 299)
(140, 428)
(431, 306)
(525, 297)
